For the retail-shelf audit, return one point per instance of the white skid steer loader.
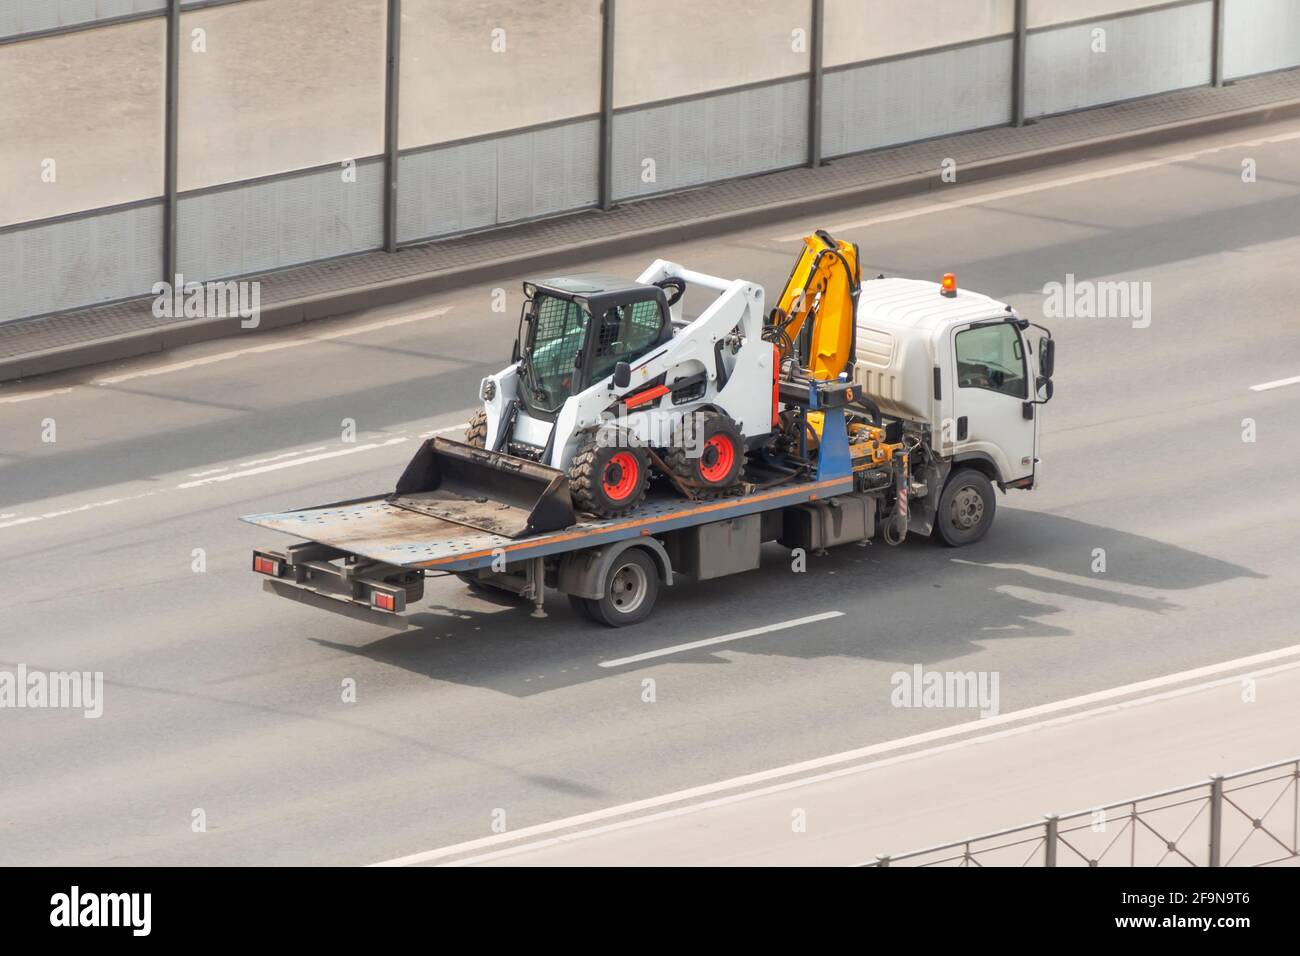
(608, 386)
(608, 382)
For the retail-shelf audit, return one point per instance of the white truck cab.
(966, 375)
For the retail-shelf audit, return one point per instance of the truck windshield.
(559, 330)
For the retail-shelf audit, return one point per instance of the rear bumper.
(357, 610)
(337, 581)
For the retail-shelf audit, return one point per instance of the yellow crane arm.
(823, 288)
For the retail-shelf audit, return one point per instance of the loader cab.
(575, 329)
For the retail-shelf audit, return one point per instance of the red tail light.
(385, 602)
(264, 565)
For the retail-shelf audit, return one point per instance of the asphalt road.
(225, 705)
(1013, 771)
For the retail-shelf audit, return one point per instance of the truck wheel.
(581, 606)
(476, 431)
(608, 480)
(631, 588)
(721, 456)
(965, 509)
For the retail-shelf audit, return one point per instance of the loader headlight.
(488, 390)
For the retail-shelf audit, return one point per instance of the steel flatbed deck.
(376, 530)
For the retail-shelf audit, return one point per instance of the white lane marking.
(98, 504)
(287, 454)
(77, 510)
(818, 763)
(33, 396)
(442, 431)
(268, 347)
(257, 461)
(873, 765)
(709, 642)
(248, 472)
(1280, 383)
(14, 524)
(223, 470)
(222, 356)
(960, 203)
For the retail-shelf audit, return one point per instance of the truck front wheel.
(965, 509)
(631, 587)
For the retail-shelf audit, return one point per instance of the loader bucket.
(482, 489)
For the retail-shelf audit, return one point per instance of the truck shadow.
(916, 604)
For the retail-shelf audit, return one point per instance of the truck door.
(992, 410)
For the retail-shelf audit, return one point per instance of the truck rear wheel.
(631, 588)
(581, 606)
(965, 509)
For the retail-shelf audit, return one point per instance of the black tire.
(608, 480)
(966, 508)
(718, 437)
(581, 606)
(631, 589)
(476, 431)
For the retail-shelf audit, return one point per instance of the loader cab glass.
(992, 357)
(552, 359)
(579, 329)
(626, 332)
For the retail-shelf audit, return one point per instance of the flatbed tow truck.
(368, 558)
(936, 405)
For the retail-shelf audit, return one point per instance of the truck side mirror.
(1045, 390)
(1046, 357)
(622, 375)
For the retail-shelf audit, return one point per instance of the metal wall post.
(1051, 830)
(1018, 44)
(815, 75)
(1216, 820)
(1216, 52)
(171, 141)
(392, 83)
(607, 105)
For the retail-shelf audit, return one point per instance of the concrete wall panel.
(78, 262)
(1260, 36)
(678, 145)
(1146, 53)
(255, 227)
(859, 30)
(914, 98)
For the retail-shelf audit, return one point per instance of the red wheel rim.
(621, 474)
(717, 466)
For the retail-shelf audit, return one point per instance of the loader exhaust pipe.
(486, 490)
